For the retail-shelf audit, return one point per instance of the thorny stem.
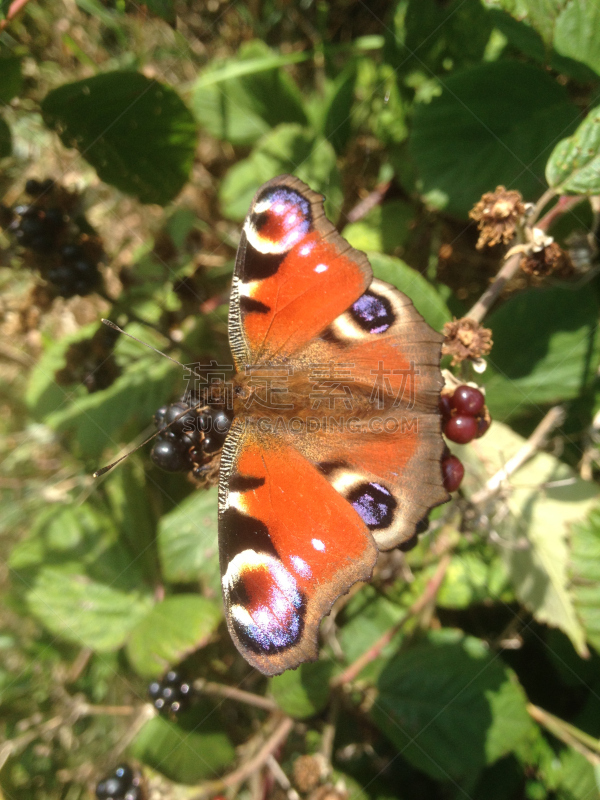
(13, 10)
(553, 418)
(587, 745)
(428, 596)
(245, 771)
(231, 693)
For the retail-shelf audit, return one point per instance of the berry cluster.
(189, 437)
(464, 414)
(65, 257)
(170, 695)
(464, 418)
(122, 784)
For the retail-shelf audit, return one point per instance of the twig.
(281, 778)
(362, 208)
(231, 693)
(246, 770)
(587, 745)
(12, 12)
(564, 204)
(553, 418)
(540, 206)
(428, 596)
(489, 297)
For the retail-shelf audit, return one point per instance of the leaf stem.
(426, 598)
(587, 745)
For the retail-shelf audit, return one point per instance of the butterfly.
(334, 452)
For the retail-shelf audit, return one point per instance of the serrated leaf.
(576, 32)
(187, 541)
(540, 14)
(11, 79)
(499, 123)
(185, 756)
(471, 579)
(83, 611)
(574, 165)
(544, 497)
(450, 707)
(173, 628)
(585, 574)
(546, 349)
(426, 299)
(95, 421)
(136, 132)
(303, 692)
(241, 99)
(287, 148)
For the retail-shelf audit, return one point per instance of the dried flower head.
(307, 773)
(464, 338)
(497, 215)
(548, 260)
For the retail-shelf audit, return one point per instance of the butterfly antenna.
(104, 470)
(135, 339)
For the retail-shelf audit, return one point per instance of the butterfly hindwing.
(289, 546)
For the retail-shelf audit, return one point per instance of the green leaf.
(5, 140)
(11, 79)
(385, 229)
(303, 692)
(431, 37)
(472, 579)
(450, 707)
(287, 148)
(585, 574)
(540, 14)
(574, 165)
(424, 296)
(544, 499)
(337, 123)
(136, 132)
(162, 8)
(83, 611)
(187, 541)
(576, 778)
(172, 630)
(546, 349)
(185, 756)
(96, 420)
(241, 99)
(576, 32)
(499, 123)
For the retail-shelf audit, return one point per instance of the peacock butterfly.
(335, 448)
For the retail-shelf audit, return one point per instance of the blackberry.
(187, 437)
(122, 784)
(169, 453)
(171, 694)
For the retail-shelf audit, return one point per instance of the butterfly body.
(335, 447)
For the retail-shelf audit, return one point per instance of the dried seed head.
(548, 260)
(497, 215)
(465, 338)
(307, 773)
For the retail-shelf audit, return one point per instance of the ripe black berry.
(170, 453)
(461, 429)
(171, 694)
(467, 400)
(452, 473)
(177, 420)
(122, 784)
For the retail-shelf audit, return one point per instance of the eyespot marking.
(373, 312)
(279, 219)
(374, 503)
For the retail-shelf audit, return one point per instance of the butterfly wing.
(289, 546)
(293, 275)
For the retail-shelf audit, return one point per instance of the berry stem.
(553, 418)
(420, 604)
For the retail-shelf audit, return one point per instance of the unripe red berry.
(452, 473)
(461, 429)
(468, 401)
